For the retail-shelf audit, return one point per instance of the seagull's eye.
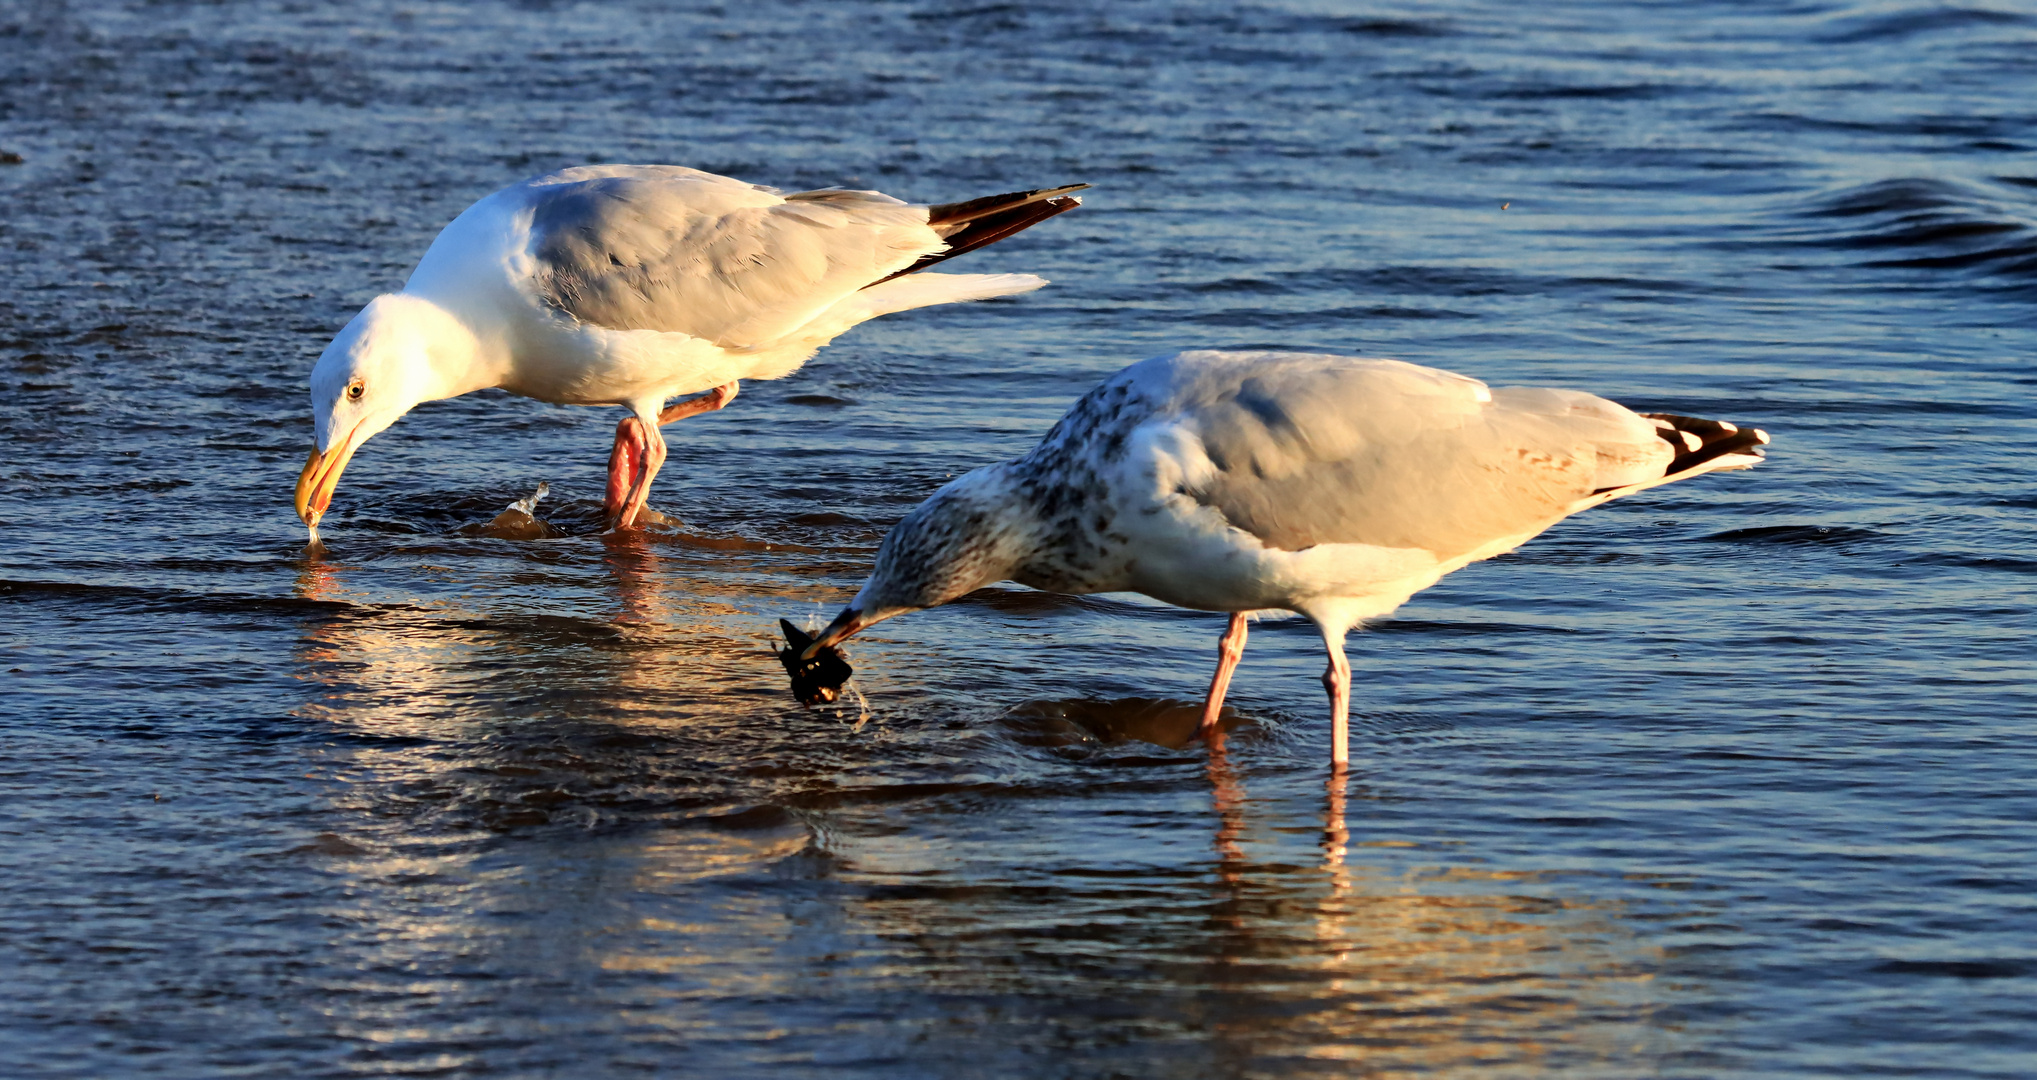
(354, 391)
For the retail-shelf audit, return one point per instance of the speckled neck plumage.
(1044, 520)
(1076, 546)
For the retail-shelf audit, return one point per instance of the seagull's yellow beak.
(320, 476)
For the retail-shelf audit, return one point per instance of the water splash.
(528, 504)
(815, 619)
(862, 708)
(519, 521)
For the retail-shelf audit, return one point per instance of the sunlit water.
(1733, 778)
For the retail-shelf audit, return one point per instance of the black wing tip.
(957, 214)
(987, 220)
(1699, 441)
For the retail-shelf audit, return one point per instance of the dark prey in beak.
(816, 681)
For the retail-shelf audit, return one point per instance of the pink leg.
(639, 453)
(708, 402)
(640, 493)
(1337, 680)
(625, 461)
(1230, 649)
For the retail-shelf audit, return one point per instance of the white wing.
(660, 247)
(1309, 449)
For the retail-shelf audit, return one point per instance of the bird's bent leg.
(638, 453)
(624, 461)
(640, 492)
(1230, 648)
(1337, 680)
(708, 402)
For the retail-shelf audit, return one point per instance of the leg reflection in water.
(1335, 836)
(1228, 799)
(634, 566)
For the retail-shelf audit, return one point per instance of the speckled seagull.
(635, 284)
(1330, 486)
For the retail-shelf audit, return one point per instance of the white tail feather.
(1722, 463)
(924, 290)
(916, 291)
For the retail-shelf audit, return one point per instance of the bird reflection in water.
(315, 578)
(1405, 964)
(633, 565)
(1421, 967)
(1228, 800)
(487, 707)
(1273, 949)
(855, 885)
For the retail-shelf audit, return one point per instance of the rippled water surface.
(1732, 778)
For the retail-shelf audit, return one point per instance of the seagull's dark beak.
(320, 476)
(845, 624)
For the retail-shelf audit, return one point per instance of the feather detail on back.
(679, 251)
(1302, 449)
(1306, 450)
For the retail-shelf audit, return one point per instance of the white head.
(399, 351)
(967, 535)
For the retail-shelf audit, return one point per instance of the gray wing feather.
(1314, 449)
(679, 251)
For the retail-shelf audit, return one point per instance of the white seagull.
(1330, 486)
(634, 284)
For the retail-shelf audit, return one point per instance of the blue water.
(1734, 778)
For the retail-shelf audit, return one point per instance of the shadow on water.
(1081, 721)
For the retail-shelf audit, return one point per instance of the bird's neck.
(971, 533)
(461, 361)
(1011, 532)
(1067, 543)
(1044, 529)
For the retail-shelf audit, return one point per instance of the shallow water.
(1732, 778)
